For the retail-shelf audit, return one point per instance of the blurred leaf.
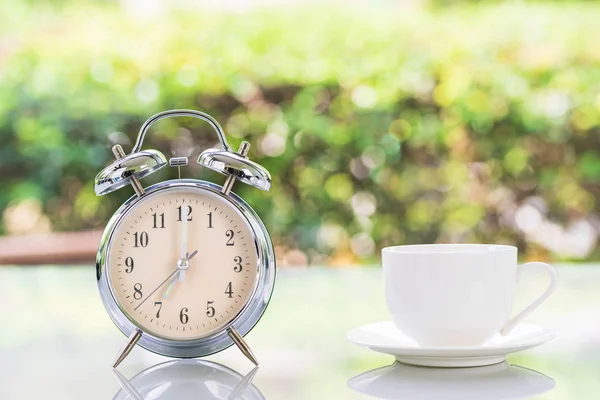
(451, 126)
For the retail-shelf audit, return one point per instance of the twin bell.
(130, 168)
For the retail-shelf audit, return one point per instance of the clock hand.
(183, 271)
(171, 285)
(184, 239)
(158, 287)
(174, 280)
(192, 255)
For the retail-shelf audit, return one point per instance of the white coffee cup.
(455, 294)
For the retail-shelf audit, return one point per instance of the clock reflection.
(493, 382)
(188, 379)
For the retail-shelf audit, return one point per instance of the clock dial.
(182, 263)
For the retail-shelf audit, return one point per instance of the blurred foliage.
(380, 127)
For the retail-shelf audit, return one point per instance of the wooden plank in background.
(52, 248)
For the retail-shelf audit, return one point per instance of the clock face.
(182, 263)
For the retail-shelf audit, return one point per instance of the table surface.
(57, 342)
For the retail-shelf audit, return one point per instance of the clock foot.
(127, 347)
(242, 345)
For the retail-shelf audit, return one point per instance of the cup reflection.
(493, 382)
(188, 379)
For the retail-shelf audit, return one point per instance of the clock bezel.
(243, 321)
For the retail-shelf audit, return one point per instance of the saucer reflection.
(188, 379)
(493, 382)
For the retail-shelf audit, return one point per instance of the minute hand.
(158, 287)
(184, 240)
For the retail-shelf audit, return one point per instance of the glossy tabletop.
(57, 342)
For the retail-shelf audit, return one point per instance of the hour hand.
(171, 285)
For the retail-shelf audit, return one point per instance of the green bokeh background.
(380, 124)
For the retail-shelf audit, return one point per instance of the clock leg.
(242, 345)
(127, 347)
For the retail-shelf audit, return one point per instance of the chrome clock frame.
(246, 318)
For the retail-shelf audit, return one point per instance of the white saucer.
(494, 382)
(384, 337)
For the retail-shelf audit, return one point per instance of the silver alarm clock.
(185, 267)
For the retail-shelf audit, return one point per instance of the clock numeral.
(210, 219)
(183, 317)
(238, 264)
(137, 291)
(129, 264)
(159, 304)
(229, 291)
(189, 213)
(230, 236)
(210, 310)
(141, 239)
(159, 218)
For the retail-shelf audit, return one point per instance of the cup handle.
(519, 317)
